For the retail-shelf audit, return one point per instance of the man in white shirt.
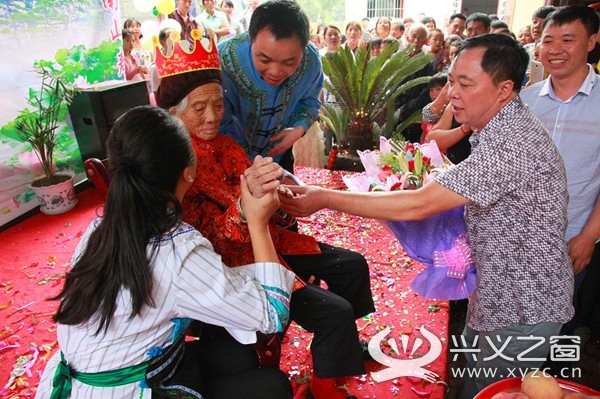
(567, 104)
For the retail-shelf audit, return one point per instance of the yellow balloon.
(165, 7)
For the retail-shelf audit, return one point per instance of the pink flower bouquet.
(439, 242)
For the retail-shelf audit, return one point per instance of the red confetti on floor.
(35, 255)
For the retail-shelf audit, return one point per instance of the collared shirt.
(213, 21)
(255, 110)
(516, 218)
(186, 27)
(574, 125)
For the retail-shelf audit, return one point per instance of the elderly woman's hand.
(263, 176)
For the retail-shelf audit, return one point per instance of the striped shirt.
(189, 281)
(573, 125)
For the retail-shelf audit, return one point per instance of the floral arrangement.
(398, 166)
(439, 242)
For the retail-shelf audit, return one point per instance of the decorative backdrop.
(82, 38)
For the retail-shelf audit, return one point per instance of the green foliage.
(39, 126)
(324, 11)
(337, 118)
(367, 86)
(95, 65)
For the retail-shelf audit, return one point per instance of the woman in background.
(354, 36)
(235, 28)
(332, 40)
(383, 27)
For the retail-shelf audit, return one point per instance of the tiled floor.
(589, 368)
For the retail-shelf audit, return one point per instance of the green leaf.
(367, 86)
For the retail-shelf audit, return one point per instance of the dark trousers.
(588, 301)
(331, 314)
(219, 367)
(287, 161)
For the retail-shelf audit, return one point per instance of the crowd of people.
(199, 222)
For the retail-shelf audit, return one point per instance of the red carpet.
(35, 254)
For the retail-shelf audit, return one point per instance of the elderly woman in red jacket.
(212, 206)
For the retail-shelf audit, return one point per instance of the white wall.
(439, 10)
(356, 10)
(521, 13)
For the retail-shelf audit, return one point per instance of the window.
(384, 8)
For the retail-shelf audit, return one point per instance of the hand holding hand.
(258, 211)
(305, 201)
(284, 192)
(263, 176)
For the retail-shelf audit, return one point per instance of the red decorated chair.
(97, 172)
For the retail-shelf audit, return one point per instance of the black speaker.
(93, 113)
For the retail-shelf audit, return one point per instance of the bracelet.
(466, 133)
(241, 211)
(431, 108)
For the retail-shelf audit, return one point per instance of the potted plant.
(38, 127)
(365, 88)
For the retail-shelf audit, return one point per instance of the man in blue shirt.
(567, 104)
(272, 77)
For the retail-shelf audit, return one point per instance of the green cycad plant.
(38, 126)
(365, 88)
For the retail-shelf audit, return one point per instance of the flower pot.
(57, 198)
(360, 136)
(344, 160)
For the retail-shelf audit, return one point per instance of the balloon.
(146, 43)
(171, 24)
(165, 7)
(144, 5)
(149, 28)
(155, 12)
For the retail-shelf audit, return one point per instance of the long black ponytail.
(148, 150)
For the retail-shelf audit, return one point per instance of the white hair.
(183, 104)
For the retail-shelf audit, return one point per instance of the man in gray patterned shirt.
(514, 187)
